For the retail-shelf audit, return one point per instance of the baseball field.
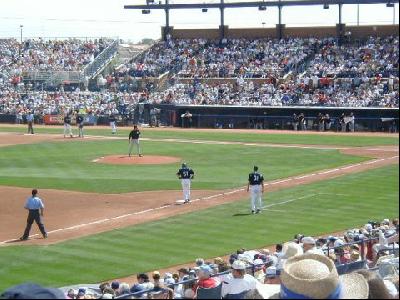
(111, 220)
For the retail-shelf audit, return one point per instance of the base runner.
(134, 137)
(256, 188)
(186, 175)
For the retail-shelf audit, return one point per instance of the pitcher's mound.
(135, 160)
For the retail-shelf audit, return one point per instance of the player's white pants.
(256, 197)
(186, 189)
(132, 144)
(113, 127)
(67, 130)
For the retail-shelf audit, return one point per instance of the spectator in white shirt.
(238, 281)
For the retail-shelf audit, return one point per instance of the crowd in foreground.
(304, 268)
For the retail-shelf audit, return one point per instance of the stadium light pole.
(222, 29)
(167, 29)
(358, 14)
(21, 29)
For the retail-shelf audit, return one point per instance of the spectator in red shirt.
(205, 279)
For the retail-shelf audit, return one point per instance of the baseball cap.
(308, 240)
(338, 243)
(169, 281)
(167, 275)
(115, 285)
(31, 291)
(258, 262)
(206, 269)
(368, 227)
(238, 265)
(81, 292)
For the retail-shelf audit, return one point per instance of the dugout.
(203, 116)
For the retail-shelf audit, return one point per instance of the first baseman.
(256, 188)
(134, 136)
(36, 210)
(186, 175)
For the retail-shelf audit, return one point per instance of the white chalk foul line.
(214, 196)
(289, 201)
(305, 176)
(329, 171)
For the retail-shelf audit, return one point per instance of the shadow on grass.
(242, 215)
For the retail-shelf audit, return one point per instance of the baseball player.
(134, 136)
(67, 125)
(36, 210)
(256, 188)
(30, 118)
(113, 125)
(186, 176)
(79, 122)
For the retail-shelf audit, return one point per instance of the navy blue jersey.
(67, 120)
(79, 120)
(135, 134)
(256, 178)
(185, 173)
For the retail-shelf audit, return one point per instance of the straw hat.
(291, 249)
(315, 276)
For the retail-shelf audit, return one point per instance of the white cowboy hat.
(315, 277)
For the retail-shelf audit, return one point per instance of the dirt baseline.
(136, 160)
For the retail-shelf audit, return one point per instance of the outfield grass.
(69, 165)
(328, 206)
(307, 139)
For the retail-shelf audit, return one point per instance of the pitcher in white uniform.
(256, 188)
(186, 176)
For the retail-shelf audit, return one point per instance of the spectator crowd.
(257, 72)
(361, 263)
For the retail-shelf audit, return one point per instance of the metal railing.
(91, 70)
(101, 60)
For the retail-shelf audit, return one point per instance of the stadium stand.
(367, 258)
(237, 72)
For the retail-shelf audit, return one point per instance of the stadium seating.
(292, 72)
(351, 252)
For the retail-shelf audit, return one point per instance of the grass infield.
(317, 208)
(69, 166)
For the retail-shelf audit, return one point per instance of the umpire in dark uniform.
(36, 210)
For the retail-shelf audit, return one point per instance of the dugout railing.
(341, 268)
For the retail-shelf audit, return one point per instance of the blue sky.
(95, 18)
